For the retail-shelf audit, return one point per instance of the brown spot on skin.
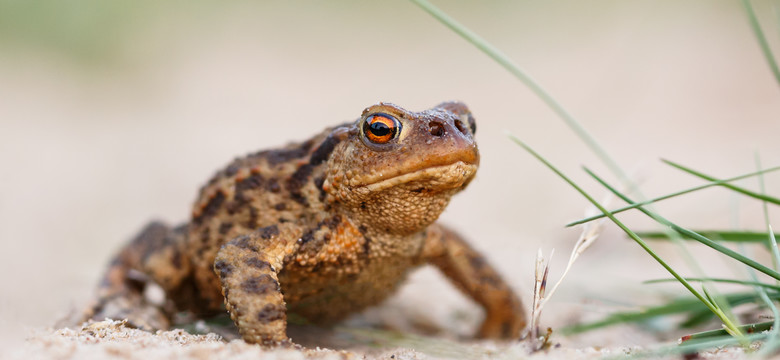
(477, 262)
(244, 242)
(318, 182)
(299, 198)
(366, 245)
(205, 235)
(211, 182)
(224, 228)
(223, 268)
(323, 151)
(268, 232)
(280, 207)
(241, 198)
(201, 250)
(271, 312)
(259, 264)
(232, 169)
(211, 207)
(254, 214)
(307, 236)
(297, 180)
(234, 206)
(260, 284)
(273, 185)
(332, 222)
(276, 157)
(254, 181)
(311, 244)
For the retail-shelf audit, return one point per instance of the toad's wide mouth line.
(456, 173)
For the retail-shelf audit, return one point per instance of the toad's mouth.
(432, 179)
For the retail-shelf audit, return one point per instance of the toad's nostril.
(437, 128)
(460, 127)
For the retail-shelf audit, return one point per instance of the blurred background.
(114, 113)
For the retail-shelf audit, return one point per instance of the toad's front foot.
(248, 268)
(469, 271)
(505, 323)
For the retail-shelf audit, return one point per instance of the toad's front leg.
(248, 267)
(468, 270)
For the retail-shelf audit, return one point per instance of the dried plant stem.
(541, 272)
(589, 234)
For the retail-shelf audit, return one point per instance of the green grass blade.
(748, 329)
(670, 308)
(502, 59)
(678, 306)
(765, 49)
(738, 189)
(695, 236)
(669, 196)
(729, 236)
(719, 280)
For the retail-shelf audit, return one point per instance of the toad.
(321, 229)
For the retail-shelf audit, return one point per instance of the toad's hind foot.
(132, 307)
(154, 255)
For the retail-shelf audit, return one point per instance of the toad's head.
(397, 169)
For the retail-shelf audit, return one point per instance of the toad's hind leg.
(468, 271)
(156, 254)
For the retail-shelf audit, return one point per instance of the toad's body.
(321, 229)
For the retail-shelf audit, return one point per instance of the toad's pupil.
(379, 128)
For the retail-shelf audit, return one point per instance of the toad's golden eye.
(381, 128)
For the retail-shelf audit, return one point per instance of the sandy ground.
(113, 115)
(112, 339)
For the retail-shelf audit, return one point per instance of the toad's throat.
(441, 177)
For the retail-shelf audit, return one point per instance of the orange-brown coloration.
(321, 229)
